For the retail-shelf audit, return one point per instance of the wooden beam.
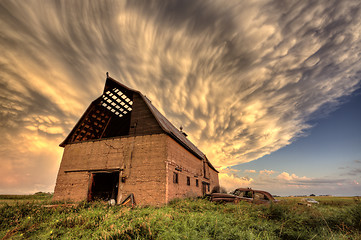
(94, 170)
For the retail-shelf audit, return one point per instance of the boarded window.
(188, 181)
(175, 177)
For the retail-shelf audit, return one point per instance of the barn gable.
(122, 111)
(119, 111)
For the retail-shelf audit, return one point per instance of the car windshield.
(237, 192)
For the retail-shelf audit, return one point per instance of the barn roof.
(163, 122)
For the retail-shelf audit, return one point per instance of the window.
(188, 181)
(248, 194)
(260, 196)
(238, 193)
(175, 177)
(197, 183)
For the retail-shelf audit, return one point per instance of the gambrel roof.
(110, 115)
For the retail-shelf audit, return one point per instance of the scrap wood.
(11, 232)
(128, 199)
(60, 205)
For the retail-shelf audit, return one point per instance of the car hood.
(225, 195)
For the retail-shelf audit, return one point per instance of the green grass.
(39, 197)
(181, 219)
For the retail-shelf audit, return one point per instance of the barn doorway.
(205, 188)
(104, 186)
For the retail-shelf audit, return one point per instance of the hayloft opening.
(108, 116)
(104, 186)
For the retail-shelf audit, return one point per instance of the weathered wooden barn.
(121, 145)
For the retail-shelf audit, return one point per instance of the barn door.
(104, 186)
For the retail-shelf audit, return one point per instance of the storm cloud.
(243, 78)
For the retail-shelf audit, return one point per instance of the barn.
(123, 146)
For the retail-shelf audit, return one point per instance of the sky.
(268, 90)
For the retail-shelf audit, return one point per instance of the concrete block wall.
(142, 159)
(214, 180)
(146, 174)
(91, 155)
(147, 164)
(181, 161)
(71, 186)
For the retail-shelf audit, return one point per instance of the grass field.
(30, 217)
(18, 199)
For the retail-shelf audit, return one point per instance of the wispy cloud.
(250, 171)
(286, 176)
(267, 172)
(352, 170)
(242, 77)
(289, 183)
(229, 170)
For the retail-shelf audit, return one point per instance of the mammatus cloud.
(242, 77)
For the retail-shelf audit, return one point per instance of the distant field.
(325, 200)
(31, 217)
(15, 199)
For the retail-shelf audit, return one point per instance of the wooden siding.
(143, 119)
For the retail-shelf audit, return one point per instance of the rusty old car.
(244, 194)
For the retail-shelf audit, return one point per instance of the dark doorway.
(205, 187)
(104, 186)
